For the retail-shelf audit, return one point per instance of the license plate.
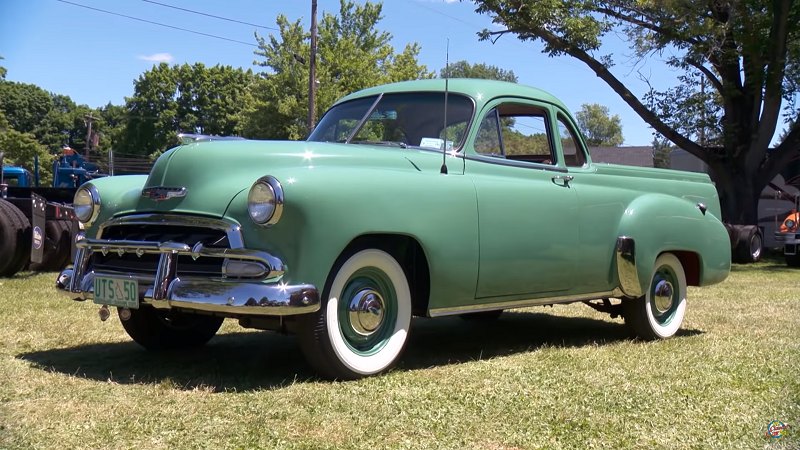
(122, 292)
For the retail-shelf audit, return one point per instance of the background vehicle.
(788, 231)
(37, 224)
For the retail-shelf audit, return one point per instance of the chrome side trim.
(627, 272)
(228, 299)
(231, 229)
(438, 312)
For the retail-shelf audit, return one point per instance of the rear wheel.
(362, 326)
(165, 330)
(748, 245)
(15, 239)
(659, 313)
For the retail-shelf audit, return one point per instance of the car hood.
(212, 173)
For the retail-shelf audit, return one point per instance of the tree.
(662, 153)
(352, 53)
(598, 127)
(741, 62)
(187, 98)
(463, 69)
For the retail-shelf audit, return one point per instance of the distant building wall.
(641, 156)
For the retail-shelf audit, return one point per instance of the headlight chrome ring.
(86, 204)
(265, 201)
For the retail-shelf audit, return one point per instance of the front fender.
(659, 223)
(326, 209)
(119, 195)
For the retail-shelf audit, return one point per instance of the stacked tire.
(15, 242)
(15, 239)
(746, 243)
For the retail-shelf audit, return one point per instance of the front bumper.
(231, 297)
(790, 242)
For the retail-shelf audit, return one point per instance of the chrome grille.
(146, 264)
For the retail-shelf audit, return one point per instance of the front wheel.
(168, 330)
(793, 260)
(659, 313)
(362, 325)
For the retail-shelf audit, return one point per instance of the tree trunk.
(739, 192)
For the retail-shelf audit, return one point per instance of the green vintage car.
(422, 198)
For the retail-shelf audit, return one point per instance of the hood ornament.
(161, 193)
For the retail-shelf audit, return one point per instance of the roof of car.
(480, 90)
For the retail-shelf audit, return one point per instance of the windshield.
(413, 119)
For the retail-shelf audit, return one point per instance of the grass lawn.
(565, 377)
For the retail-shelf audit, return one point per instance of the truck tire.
(793, 260)
(748, 244)
(15, 239)
(56, 246)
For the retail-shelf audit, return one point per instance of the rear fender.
(658, 223)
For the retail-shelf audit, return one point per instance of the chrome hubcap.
(366, 312)
(663, 296)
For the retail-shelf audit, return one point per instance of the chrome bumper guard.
(231, 297)
(787, 238)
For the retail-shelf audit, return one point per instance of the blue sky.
(94, 57)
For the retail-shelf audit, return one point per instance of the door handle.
(562, 180)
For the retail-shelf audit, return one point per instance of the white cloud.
(157, 57)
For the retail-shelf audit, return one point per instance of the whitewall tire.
(363, 323)
(660, 312)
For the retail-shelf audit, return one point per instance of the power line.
(450, 16)
(211, 15)
(159, 24)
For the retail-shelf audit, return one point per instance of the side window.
(487, 142)
(573, 154)
(516, 131)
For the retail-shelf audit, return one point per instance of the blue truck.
(37, 223)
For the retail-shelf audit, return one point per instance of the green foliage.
(352, 54)
(598, 127)
(187, 98)
(741, 72)
(662, 150)
(463, 69)
(516, 143)
(21, 149)
(36, 122)
(3, 70)
(26, 106)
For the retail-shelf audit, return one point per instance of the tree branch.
(782, 154)
(604, 74)
(776, 64)
(708, 73)
(647, 25)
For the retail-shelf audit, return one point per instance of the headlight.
(265, 201)
(86, 204)
(790, 224)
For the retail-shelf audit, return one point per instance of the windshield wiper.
(386, 143)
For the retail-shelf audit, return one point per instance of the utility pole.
(312, 69)
(89, 119)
